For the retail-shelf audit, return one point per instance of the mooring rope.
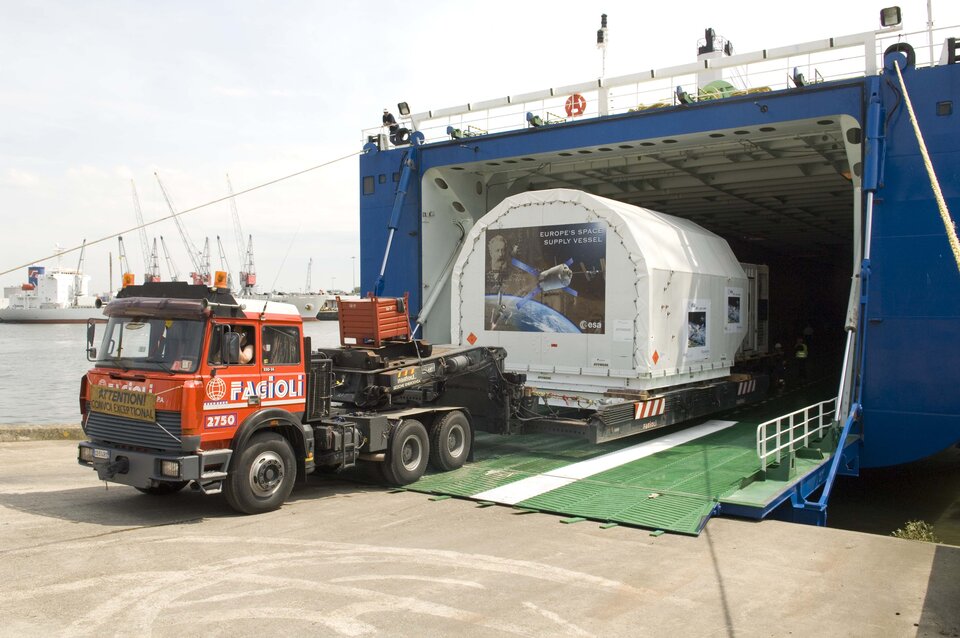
(183, 212)
(948, 223)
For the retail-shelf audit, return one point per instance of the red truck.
(192, 386)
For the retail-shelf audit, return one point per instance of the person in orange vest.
(800, 353)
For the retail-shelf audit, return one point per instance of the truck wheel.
(162, 489)
(450, 439)
(408, 454)
(263, 476)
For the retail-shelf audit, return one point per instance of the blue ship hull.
(905, 367)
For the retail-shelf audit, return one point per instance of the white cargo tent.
(588, 294)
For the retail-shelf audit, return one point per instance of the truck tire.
(450, 439)
(408, 453)
(162, 489)
(264, 475)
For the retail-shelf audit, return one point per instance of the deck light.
(890, 17)
(404, 109)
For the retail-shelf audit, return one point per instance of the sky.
(95, 94)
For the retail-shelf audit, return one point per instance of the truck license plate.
(101, 454)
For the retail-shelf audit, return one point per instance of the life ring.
(400, 137)
(576, 105)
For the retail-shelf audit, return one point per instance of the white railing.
(770, 69)
(793, 431)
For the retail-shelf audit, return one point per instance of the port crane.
(174, 273)
(151, 264)
(224, 265)
(200, 260)
(248, 272)
(126, 277)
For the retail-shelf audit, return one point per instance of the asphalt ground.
(343, 559)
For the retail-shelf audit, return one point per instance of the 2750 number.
(213, 421)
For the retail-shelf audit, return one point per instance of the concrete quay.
(345, 559)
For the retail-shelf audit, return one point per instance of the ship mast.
(78, 276)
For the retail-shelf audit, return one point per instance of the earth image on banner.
(527, 315)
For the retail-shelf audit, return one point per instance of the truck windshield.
(168, 345)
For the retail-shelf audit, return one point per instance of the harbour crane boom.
(174, 273)
(195, 257)
(237, 228)
(248, 272)
(224, 264)
(151, 267)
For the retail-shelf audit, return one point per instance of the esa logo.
(591, 325)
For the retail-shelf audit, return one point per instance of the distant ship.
(307, 303)
(58, 296)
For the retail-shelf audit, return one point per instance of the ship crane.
(309, 275)
(151, 265)
(199, 274)
(248, 272)
(174, 273)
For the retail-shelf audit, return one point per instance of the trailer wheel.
(408, 453)
(450, 439)
(162, 489)
(263, 476)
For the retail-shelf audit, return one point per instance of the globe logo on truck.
(216, 389)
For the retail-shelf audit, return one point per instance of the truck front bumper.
(138, 469)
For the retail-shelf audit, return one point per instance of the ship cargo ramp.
(672, 479)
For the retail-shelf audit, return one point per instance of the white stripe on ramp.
(521, 490)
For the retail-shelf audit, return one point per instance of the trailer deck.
(673, 479)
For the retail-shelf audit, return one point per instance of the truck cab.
(184, 378)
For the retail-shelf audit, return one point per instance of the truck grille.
(114, 429)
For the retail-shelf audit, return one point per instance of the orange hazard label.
(656, 357)
(471, 338)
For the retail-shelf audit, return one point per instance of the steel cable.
(183, 212)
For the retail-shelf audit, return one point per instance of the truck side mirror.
(91, 337)
(230, 348)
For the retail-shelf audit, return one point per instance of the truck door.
(282, 362)
(233, 389)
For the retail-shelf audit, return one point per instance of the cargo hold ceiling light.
(890, 17)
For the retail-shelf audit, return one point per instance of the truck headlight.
(170, 468)
(86, 454)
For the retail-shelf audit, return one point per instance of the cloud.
(235, 91)
(22, 179)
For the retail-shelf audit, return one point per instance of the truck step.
(209, 486)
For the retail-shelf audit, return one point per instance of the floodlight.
(404, 109)
(890, 17)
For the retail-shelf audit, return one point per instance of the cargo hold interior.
(783, 194)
